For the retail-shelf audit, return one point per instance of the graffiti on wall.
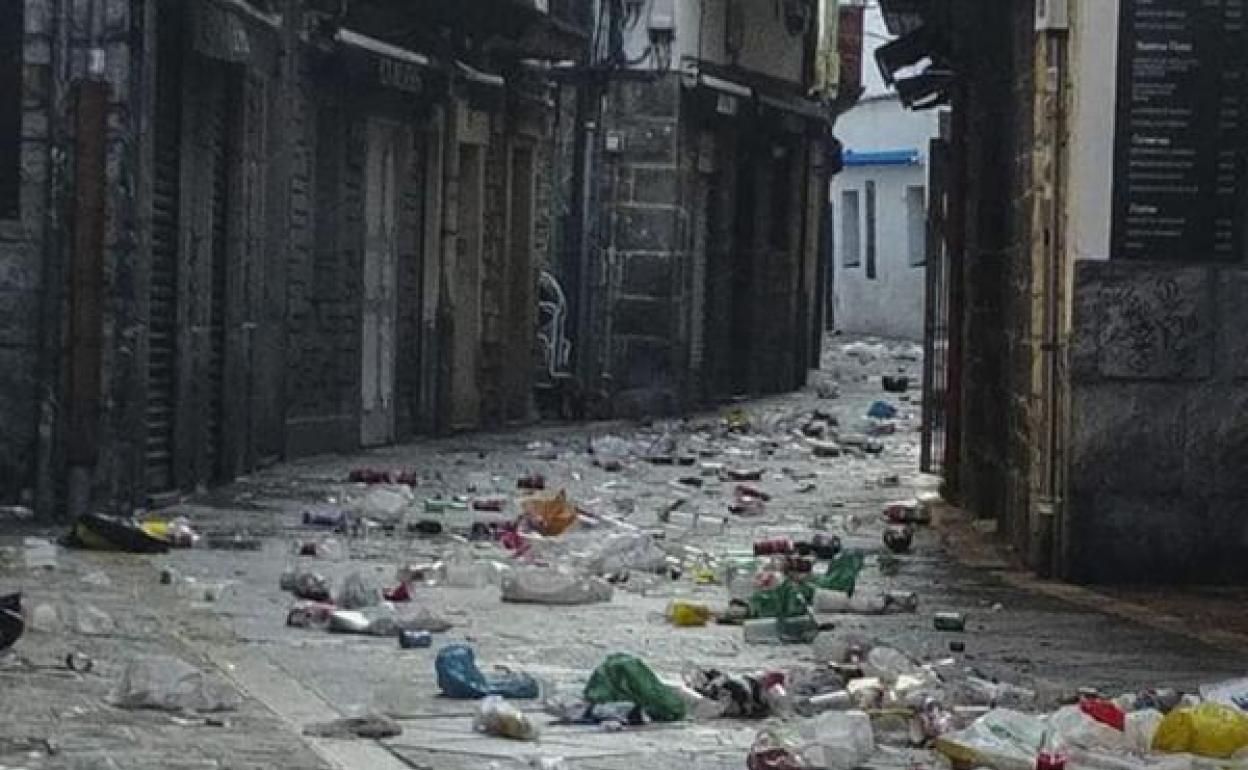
(1156, 326)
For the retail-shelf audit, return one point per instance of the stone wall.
(995, 99)
(21, 279)
(638, 255)
(1159, 423)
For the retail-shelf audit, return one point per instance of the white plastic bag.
(544, 586)
(622, 552)
(838, 740)
(831, 741)
(1001, 739)
(385, 503)
(1140, 728)
(841, 602)
(463, 571)
(1071, 727)
(169, 684)
(355, 592)
(888, 664)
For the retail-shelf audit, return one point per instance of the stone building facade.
(696, 275)
(1093, 256)
(235, 232)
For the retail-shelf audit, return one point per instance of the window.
(870, 192)
(916, 224)
(10, 105)
(851, 239)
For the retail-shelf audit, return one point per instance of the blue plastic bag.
(459, 677)
(882, 410)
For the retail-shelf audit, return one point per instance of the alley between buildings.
(220, 606)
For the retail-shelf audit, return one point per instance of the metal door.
(380, 306)
(163, 286)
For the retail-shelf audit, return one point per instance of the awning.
(903, 157)
(478, 77)
(725, 86)
(803, 108)
(380, 47)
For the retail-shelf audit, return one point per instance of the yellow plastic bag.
(550, 516)
(686, 614)
(1209, 730)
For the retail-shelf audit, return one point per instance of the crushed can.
(776, 546)
(949, 621)
(415, 640)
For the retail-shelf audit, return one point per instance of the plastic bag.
(169, 684)
(545, 586)
(550, 516)
(829, 741)
(498, 717)
(787, 600)
(1209, 730)
(386, 503)
(311, 586)
(625, 678)
(623, 552)
(1141, 729)
(463, 571)
(684, 614)
(842, 573)
(1001, 739)
(356, 593)
(1075, 727)
(459, 677)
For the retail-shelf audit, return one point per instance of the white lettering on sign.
(400, 75)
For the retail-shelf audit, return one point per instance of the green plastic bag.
(787, 600)
(842, 573)
(625, 678)
(789, 604)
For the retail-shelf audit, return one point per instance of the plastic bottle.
(840, 700)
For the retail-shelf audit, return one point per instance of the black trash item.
(897, 384)
(898, 538)
(822, 546)
(12, 624)
(426, 527)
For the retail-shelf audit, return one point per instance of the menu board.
(1179, 179)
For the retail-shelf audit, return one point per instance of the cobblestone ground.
(53, 717)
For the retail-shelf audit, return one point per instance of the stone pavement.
(51, 717)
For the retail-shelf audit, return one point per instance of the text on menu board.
(1181, 130)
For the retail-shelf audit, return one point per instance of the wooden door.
(380, 307)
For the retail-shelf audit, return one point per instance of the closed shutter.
(162, 298)
(214, 404)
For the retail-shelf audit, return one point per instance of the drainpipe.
(1050, 508)
(86, 275)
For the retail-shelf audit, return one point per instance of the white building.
(879, 206)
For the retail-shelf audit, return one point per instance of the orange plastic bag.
(550, 516)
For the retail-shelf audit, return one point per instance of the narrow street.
(113, 608)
